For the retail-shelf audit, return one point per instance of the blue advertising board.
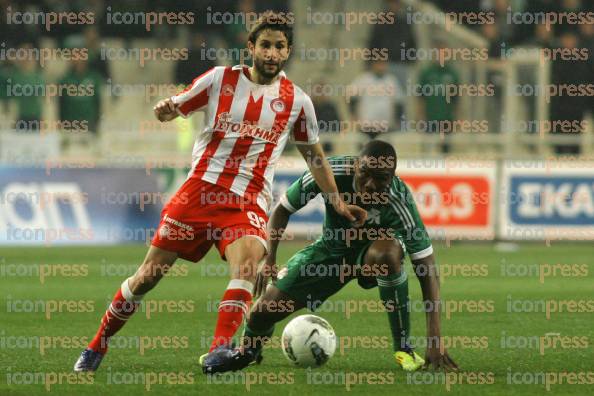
(547, 201)
(307, 222)
(77, 206)
(554, 201)
(98, 206)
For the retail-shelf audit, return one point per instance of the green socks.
(393, 291)
(256, 340)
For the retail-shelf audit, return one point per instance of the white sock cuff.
(241, 284)
(398, 280)
(127, 293)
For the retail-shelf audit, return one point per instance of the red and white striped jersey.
(247, 128)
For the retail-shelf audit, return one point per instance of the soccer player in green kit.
(393, 227)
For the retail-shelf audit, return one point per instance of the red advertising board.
(454, 202)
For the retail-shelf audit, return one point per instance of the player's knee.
(244, 256)
(248, 268)
(386, 255)
(394, 266)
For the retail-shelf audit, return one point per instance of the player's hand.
(165, 110)
(353, 213)
(266, 271)
(437, 360)
(358, 213)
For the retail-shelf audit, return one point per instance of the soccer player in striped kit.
(251, 113)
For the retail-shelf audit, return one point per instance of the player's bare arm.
(436, 356)
(322, 174)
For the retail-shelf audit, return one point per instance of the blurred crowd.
(373, 114)
(95, 70)
(503, 36)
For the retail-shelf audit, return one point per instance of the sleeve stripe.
(404, 219)
(404, 212)
(195, 103)
(300, 128)
(284, 201)
(305, 129)
(336, 169)
(300, 143)
(309, 176)
(307, 181)
(422, 254)
(195, 96)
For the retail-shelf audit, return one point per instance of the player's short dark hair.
(273, 21)
(380, 150)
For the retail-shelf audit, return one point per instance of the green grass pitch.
(503, 337)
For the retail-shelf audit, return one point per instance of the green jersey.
(84, 103)
(437, 78)
(391, 214)
(29, 94)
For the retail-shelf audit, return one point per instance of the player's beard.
(260, 66)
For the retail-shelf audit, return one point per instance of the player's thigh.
(274, 306)
(185, 226)
(243, 255)
(312, 276)
(384, 256)
(155, 265)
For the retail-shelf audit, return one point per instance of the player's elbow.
(425, 267)
(283, 212)
(280, 212)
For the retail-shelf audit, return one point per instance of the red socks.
(121, 308)
(233, 308)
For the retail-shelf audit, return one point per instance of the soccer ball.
(308, 341)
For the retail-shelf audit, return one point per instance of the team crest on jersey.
(277, 105)
(373, 216)
(227, 90)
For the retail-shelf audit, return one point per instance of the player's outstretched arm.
(276, 228)
(165, 110)
(322, 174)
(436, 356)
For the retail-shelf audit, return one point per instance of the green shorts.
(314, 273)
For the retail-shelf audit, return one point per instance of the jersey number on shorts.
(255, 220)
